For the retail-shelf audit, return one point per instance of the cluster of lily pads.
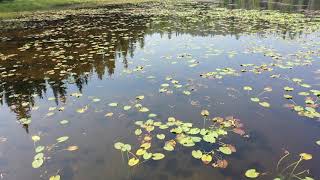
(168, 88)
(41, 150)
(174, 134)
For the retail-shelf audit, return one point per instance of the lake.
(173, 90)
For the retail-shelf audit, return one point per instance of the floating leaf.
(96, 100)
(247, 88)
(209, 138)
(56, 177)
(264, 104)
(305, 156)
(39, 149)
(161, 136)
(38, 160)
(37, 163)
(72, 148)
(118, 145)
(152, 115)
(288, 88)
(206, 158)
(221, 164)
(64, 122)
(255, 99)
(62, 139)
(225, 150)
(168, 147)
(126, 147)
(252, 173)
(35, 138)
(186, 93)
(133, 161)
(146, 145)
(158, 156)
(140, 152)
(113, 104)
(205, 112)
(140, 97)
(82, 110)
(143, 109)
(126, 108)
(147, 155)
(138, 132)
(287, 96)
(197, 154)
(109, 114)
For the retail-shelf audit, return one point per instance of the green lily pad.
(264, 104)
(138, 132)
(64, 122)
(39, 149)
(197, 154)
(56, 177)
(158, 156)
(133, 161)
(252, 173)
(168, 147)
(247, 88)
(206, 158)
(37, 163)
(113, 104)
(161, 136)
(118, 145)
(147, 155)
(254, 99)
(62, 139)
(143, 109)
(126, 108)
(225, 150)
(140, 152)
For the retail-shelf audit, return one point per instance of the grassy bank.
(12, 8)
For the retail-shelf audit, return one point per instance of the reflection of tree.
(38, 69)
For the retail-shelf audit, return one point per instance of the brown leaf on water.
(232, 148)
(239, 131)
(221, 164)
(72, 148)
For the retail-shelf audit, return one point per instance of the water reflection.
(80, 50)
(69, 51)
(65, 54)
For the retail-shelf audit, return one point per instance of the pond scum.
(156, 137)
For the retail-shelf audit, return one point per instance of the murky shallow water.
(116, 55)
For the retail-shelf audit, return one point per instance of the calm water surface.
(116, 56)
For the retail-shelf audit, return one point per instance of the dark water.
(116, 54)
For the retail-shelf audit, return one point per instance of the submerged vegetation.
(70, 76)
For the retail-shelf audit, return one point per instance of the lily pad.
(197, 154)
(158, 156)
(133, 161)
(252, 173)
(62, 139)
(56, 177)
(225, 150)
